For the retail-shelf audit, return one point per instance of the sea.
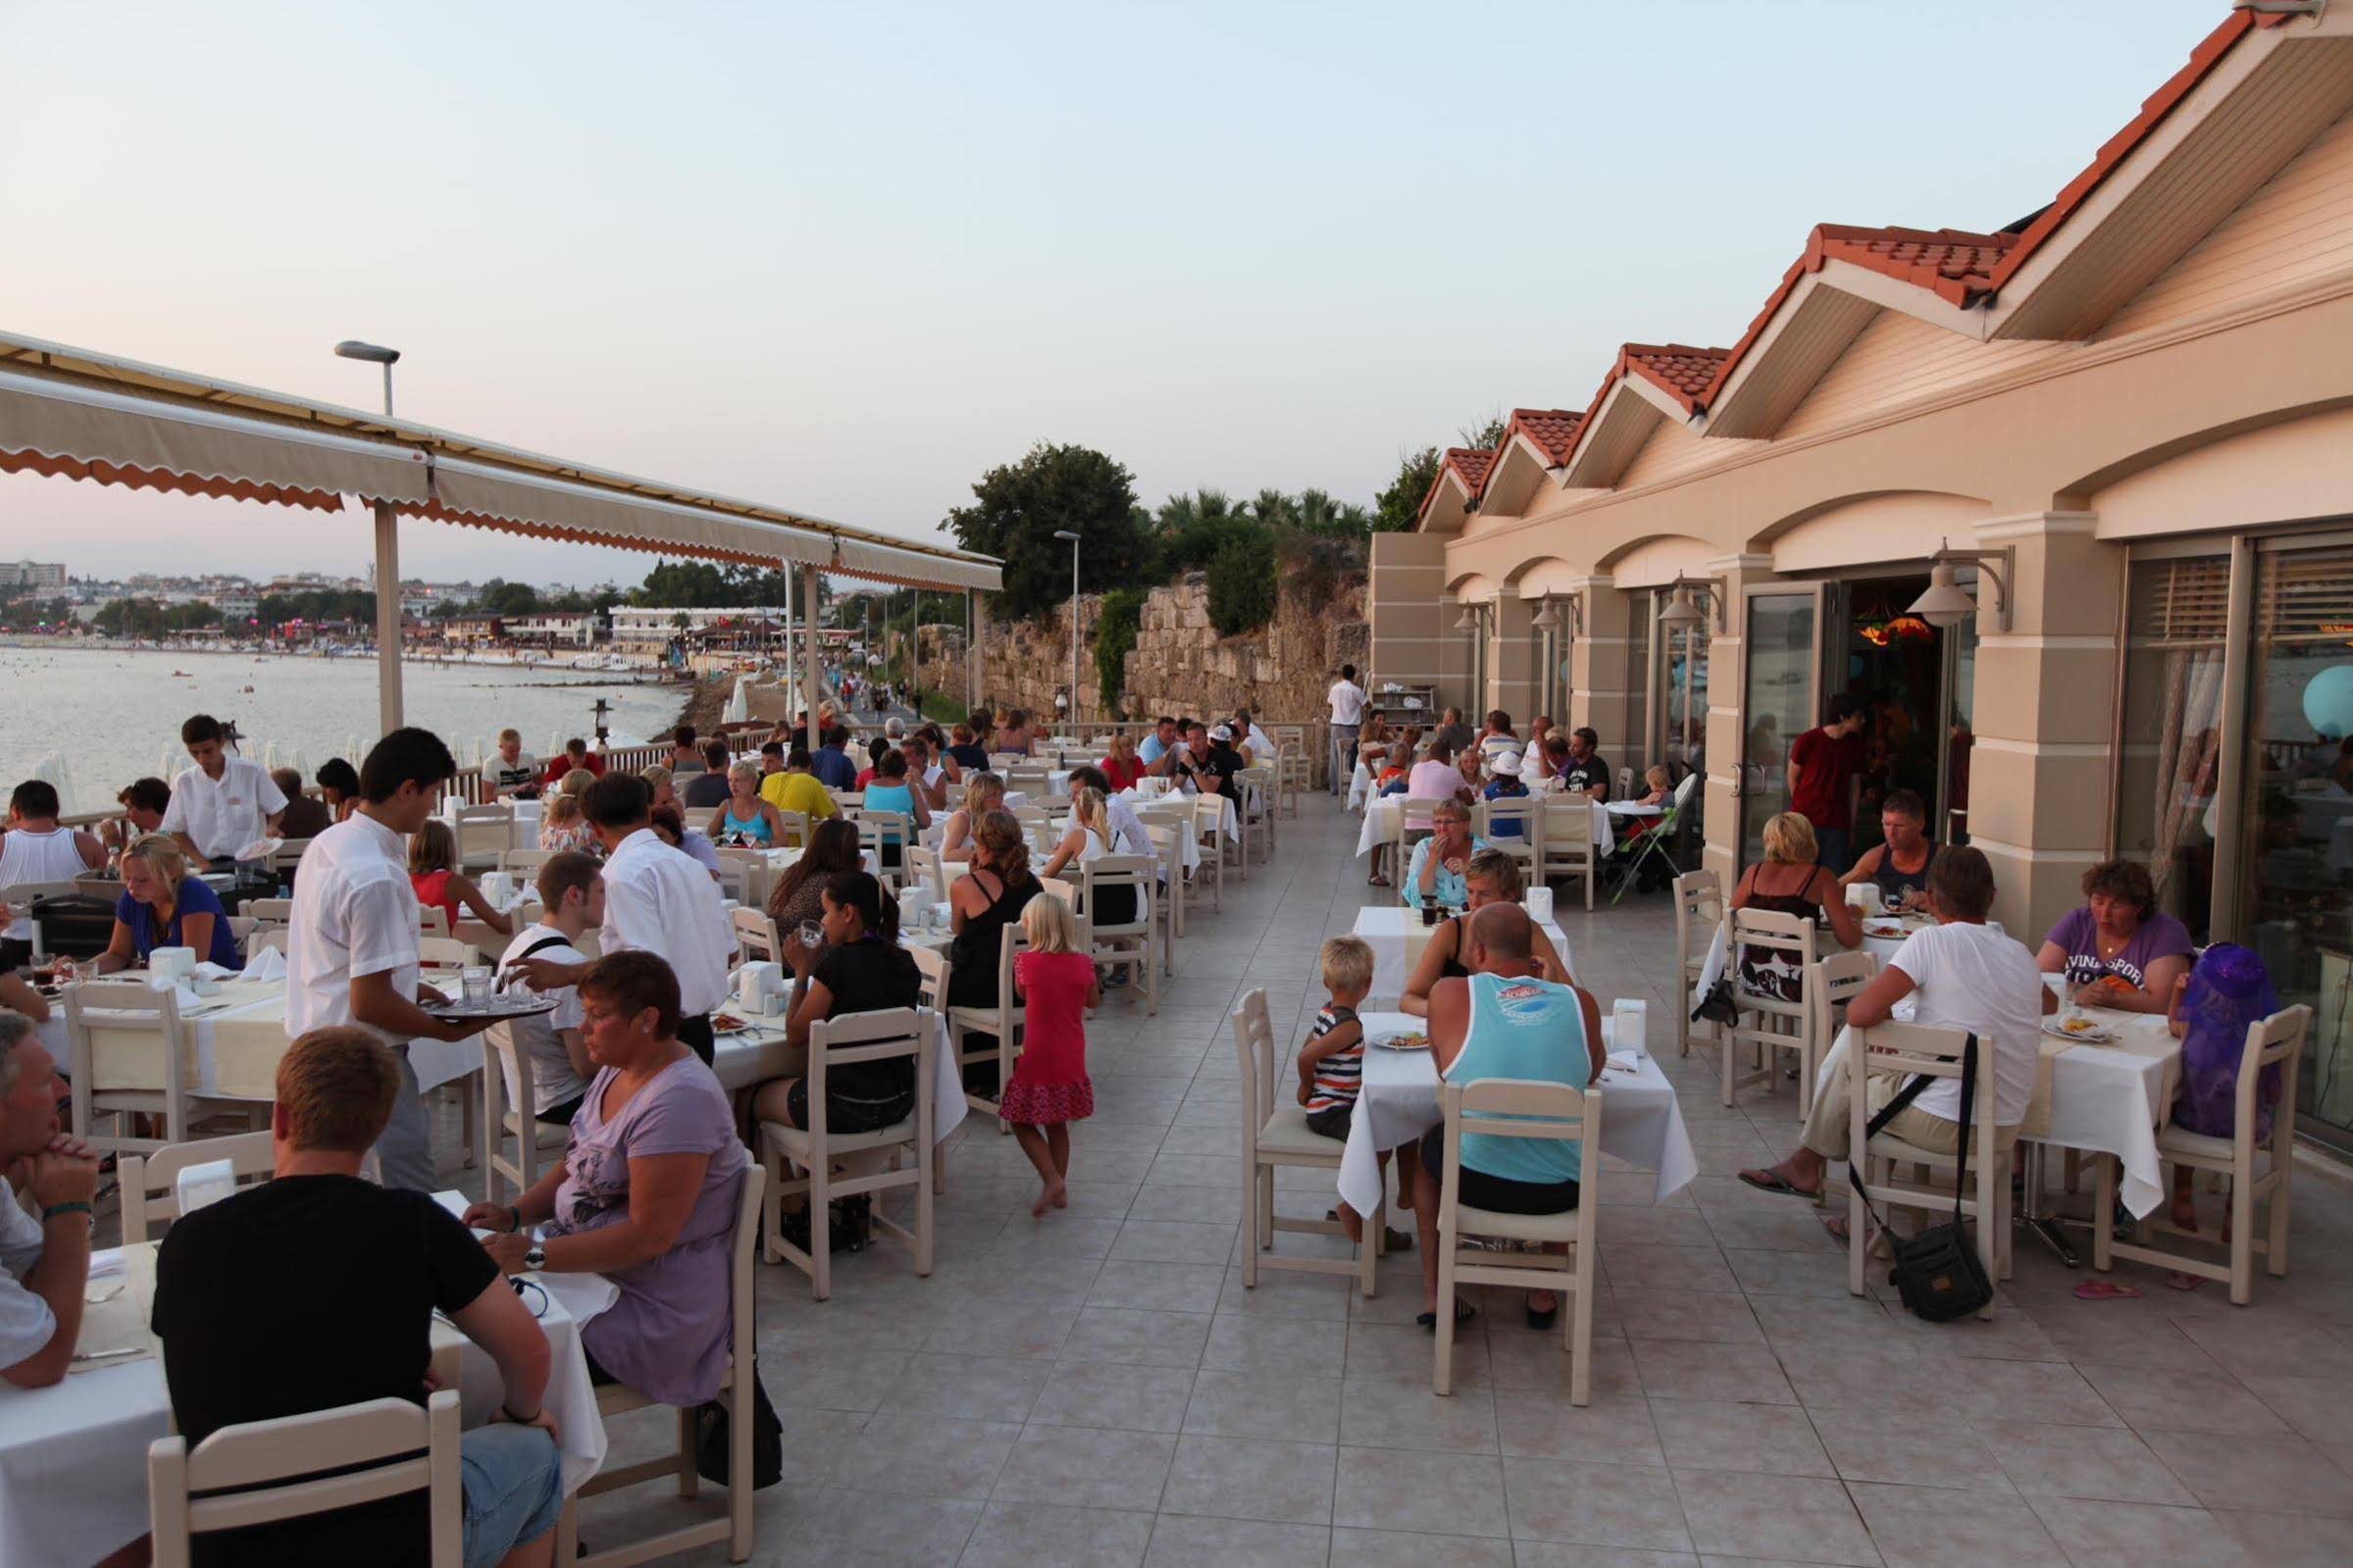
(90, 720)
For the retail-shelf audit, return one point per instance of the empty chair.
(1699, 911)
(446, 953)
(755, 934)
(150, 1182)
(524, 863)
(128, 1052)
(1274, 1132)
(269, 911)
(433, 920)
(1515, 824)
(509, 1091)
(1208, 832)
(484, 834)
(922, 870)
(886, 834)
(795, 830)
(285, 858)
(1064, 889)
(1568, 849)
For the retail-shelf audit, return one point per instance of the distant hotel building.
(47, 577)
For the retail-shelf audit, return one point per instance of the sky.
(845, 258)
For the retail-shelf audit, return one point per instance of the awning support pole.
(972, 656)
(811, 685)
(387, 617)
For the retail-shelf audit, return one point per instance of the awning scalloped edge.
(437, 512)
(148, 478)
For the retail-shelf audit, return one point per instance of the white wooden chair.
(871, 1162)
(1907, 1051)
(285, 858)
(1276, 1132)
(269, 911)
(433, 921)
(1062, 888)
(1169, 851)
(1208, 829)
(1832, 981)
(796, 831)
(1767, 1024)
(2277, 1040)
(485, 834)
(150, 1182)
(1002, 1023)
(266, 937)
(1257, 807)
(258, 1472)
(849, 801)
(755, 934)
(877, 831)
(932, 992)
(1699, 910)
(1131, 941)
(153, 1075)
(1523, 815)
(1507, 1107)
(735, 1527)
(922, 870)
(1567, 819)
(525, 864)
(508, 1094)
(446, 953)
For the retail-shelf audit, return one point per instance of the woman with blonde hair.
(162, 906)
(432, 872)
(563, 827)
(576, 782)
(744, 817)
(982, 903)
(1090, 838)
(983, 792)
(1789, 880)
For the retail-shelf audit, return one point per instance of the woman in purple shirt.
(646, 1192)
(2119, 951)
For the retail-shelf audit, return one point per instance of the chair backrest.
(922, 869)
(286, 856)
(795, 830)
(932, 965)
(1568, 821)
(1625, 780)
(433, 920)
(446, 953)
(529, 860)
(150, 1182)
(878, 827)
(1062, 889)
(1682, 794)
(755, 934)
(1027, 815)
(848, 799)
(270, 937)
(1924, 1050)
(122, 1004)
(880, 1036)
(1209, 814)
(2277, 1040)
(378, 1449)
(1414, 814)
(1253, 1048)
(1699, 906)
(269, 911)
(1140, 872)
(1788, 938)
(1518, 1107)
(1830, 983)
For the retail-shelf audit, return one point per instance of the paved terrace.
(1100, 1388)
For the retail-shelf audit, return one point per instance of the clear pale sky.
(845, 258)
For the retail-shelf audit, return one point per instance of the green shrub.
(1242, 583)
(1121, 615)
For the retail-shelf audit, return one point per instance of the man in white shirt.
(44, 1262)
(513, 769)
(1128, 836)
(36, 852)
(572, 892)
(352, 938)
(656, 898)
(1345, 699)
(1960, 974)
(223, 803)
(1257, 746)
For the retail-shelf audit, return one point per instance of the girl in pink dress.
(1055, 980)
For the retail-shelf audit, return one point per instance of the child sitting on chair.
(1661, 789)
(1331, 1064)
(1507, 785)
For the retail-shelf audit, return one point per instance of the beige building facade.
(2128, 421)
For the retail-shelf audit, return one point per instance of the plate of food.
(2077, 1028)
(728, 1024)
(1412, 1040)
(1885, 928)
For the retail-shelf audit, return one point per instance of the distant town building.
(557, 630)
(44, 577)
(655, 626)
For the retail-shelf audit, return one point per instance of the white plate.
(1409, 1041)
(2095, 1034)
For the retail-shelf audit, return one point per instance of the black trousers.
(696, 1031)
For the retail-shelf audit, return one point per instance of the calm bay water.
(108, 715)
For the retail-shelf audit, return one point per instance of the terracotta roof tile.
(1469, 464)
(1681, 371)
(1553, 430)
(1951, 262)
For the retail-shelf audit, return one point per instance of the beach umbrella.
(739, 705)
(54, 770)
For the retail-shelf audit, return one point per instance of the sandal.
(2178, 1281)
(1768, 1180)
(1462, 1313)
(2105, 1290)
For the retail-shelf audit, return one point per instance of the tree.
(501, 597)
(1019, 506)
(1242, 583)
(690, 585)
(1394, 508)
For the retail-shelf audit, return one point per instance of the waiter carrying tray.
(656, 898)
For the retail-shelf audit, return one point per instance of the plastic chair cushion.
(1287, 1132)
(1562, 1226)
(794, 1142)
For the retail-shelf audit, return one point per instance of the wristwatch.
(536, 1257)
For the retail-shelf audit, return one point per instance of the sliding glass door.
(1777, 704)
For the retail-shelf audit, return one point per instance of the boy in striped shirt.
(1331, 1064)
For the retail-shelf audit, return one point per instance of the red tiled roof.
(1951, 262)
(1470, 466)
(1682, 372)
(1553, 430)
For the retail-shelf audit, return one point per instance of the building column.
(1510, 659)
(1596, 660)
(1727, 679)
(2042, 714)
(1406, 600)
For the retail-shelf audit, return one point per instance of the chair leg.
(1368, 1250)
(2275, 1258)
(1858, 1217)
(740, 1408)
(821, 1230)
(1579, 1343)
(690, 1481)
(1249, 1221)
(2242, 1242)
(1267, 1207)
(923, 1215)
(1442, 1355)
(2103, 1213)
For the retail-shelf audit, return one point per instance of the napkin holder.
(1865, 896)
(1629, 1026)
(1540, 904)
(497, 887)
(758, 980)
(172, 962)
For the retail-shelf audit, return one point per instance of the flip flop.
(1775, 1181)
(1463, 1312)
(2105, 1290)
(2176, 1280)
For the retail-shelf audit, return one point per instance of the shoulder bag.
(1936, 1271)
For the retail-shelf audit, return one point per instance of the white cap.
(1221, 733)
(1505, 763)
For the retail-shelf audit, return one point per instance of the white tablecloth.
(1397, 936)
(760, 1053)
(1380, 821)
(235, 1036)
(1641, 1123)
(74, 1456)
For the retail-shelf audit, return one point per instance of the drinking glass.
(476, 981)
(812, 934)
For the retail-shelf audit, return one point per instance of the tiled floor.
(1100, 1388)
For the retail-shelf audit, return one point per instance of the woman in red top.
(1122, 767)
(1050, 1089)
(432, 873)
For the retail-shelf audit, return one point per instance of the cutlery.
(110, 1355)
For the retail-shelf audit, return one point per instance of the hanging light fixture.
(1947, 603)
(1469, 621)
(1547, 618)
(1681, 613)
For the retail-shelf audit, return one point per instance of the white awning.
(479, 495)
(883, 563)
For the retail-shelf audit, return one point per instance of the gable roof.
(1464, 467)
(1554, 430)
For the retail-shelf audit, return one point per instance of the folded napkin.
(1626, 1059)
(268, 964)
(107, 1262)
(208, 970)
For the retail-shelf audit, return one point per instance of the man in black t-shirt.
(1212, 760)
(1585, 768)
(317, 1290)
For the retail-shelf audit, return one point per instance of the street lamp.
(1065, 534)
(387, 559)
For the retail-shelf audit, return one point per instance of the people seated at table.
(339, 785)
(1397, 760)
(981, 903)
(799, 788)
(1547, 779)
(645, 1194)
(305, 815)
(1256, 745)
(563, 827)
(44, 1255)
(1162, 749)
(223, 803)
(1497, 738)
(1453, 731)
(575, 755)
(1015, 736)
(2225, 991)
(1088, 836)
(1505, 1020)
(1960, 974)
(1531, 755)
(512, 773)
(745, 818)
(1211, 761)
(143, 802)
(860, 969)
(1657, 787)
(890, 791)
(796, 897)
(969, 753)
(686, 754)
(1505, 785)
(164, 904)
(1331, 1060)
(576, 782)
(831, 762)
(318, 1288)
(670, 826)
(1491, 878)
(1434, 873)
(1585, 768)
(34, 851)
(700, 791)
(1436, 777)
(657, 778)
(1122, 766)
(2120, 949)
(1788, 880)
(1898, 865)
(571, 903)
(1129, 836)
(927, 777)
(1470, 763)
(983, 792)
(876, 745)
(983, 720)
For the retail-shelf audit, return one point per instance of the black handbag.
(1938, 1273)
(711, 1440)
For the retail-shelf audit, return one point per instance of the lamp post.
(1065, 534)
(387, 559)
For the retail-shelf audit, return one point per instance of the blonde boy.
(1331, 1063)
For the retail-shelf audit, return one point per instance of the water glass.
(476, 981)
(812, 934)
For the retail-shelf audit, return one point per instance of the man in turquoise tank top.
(1505, 1021)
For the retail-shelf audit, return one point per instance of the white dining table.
(1398, 1100)
(1397, 936)
(73, 1455)
(1380, 823)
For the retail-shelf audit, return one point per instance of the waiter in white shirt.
(656, 898)
(223, 803)
(1345, 699)
(351, 940)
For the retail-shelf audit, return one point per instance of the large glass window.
(2170, 758)
(1643, 610)
(1779, 706)
(1683, 694)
